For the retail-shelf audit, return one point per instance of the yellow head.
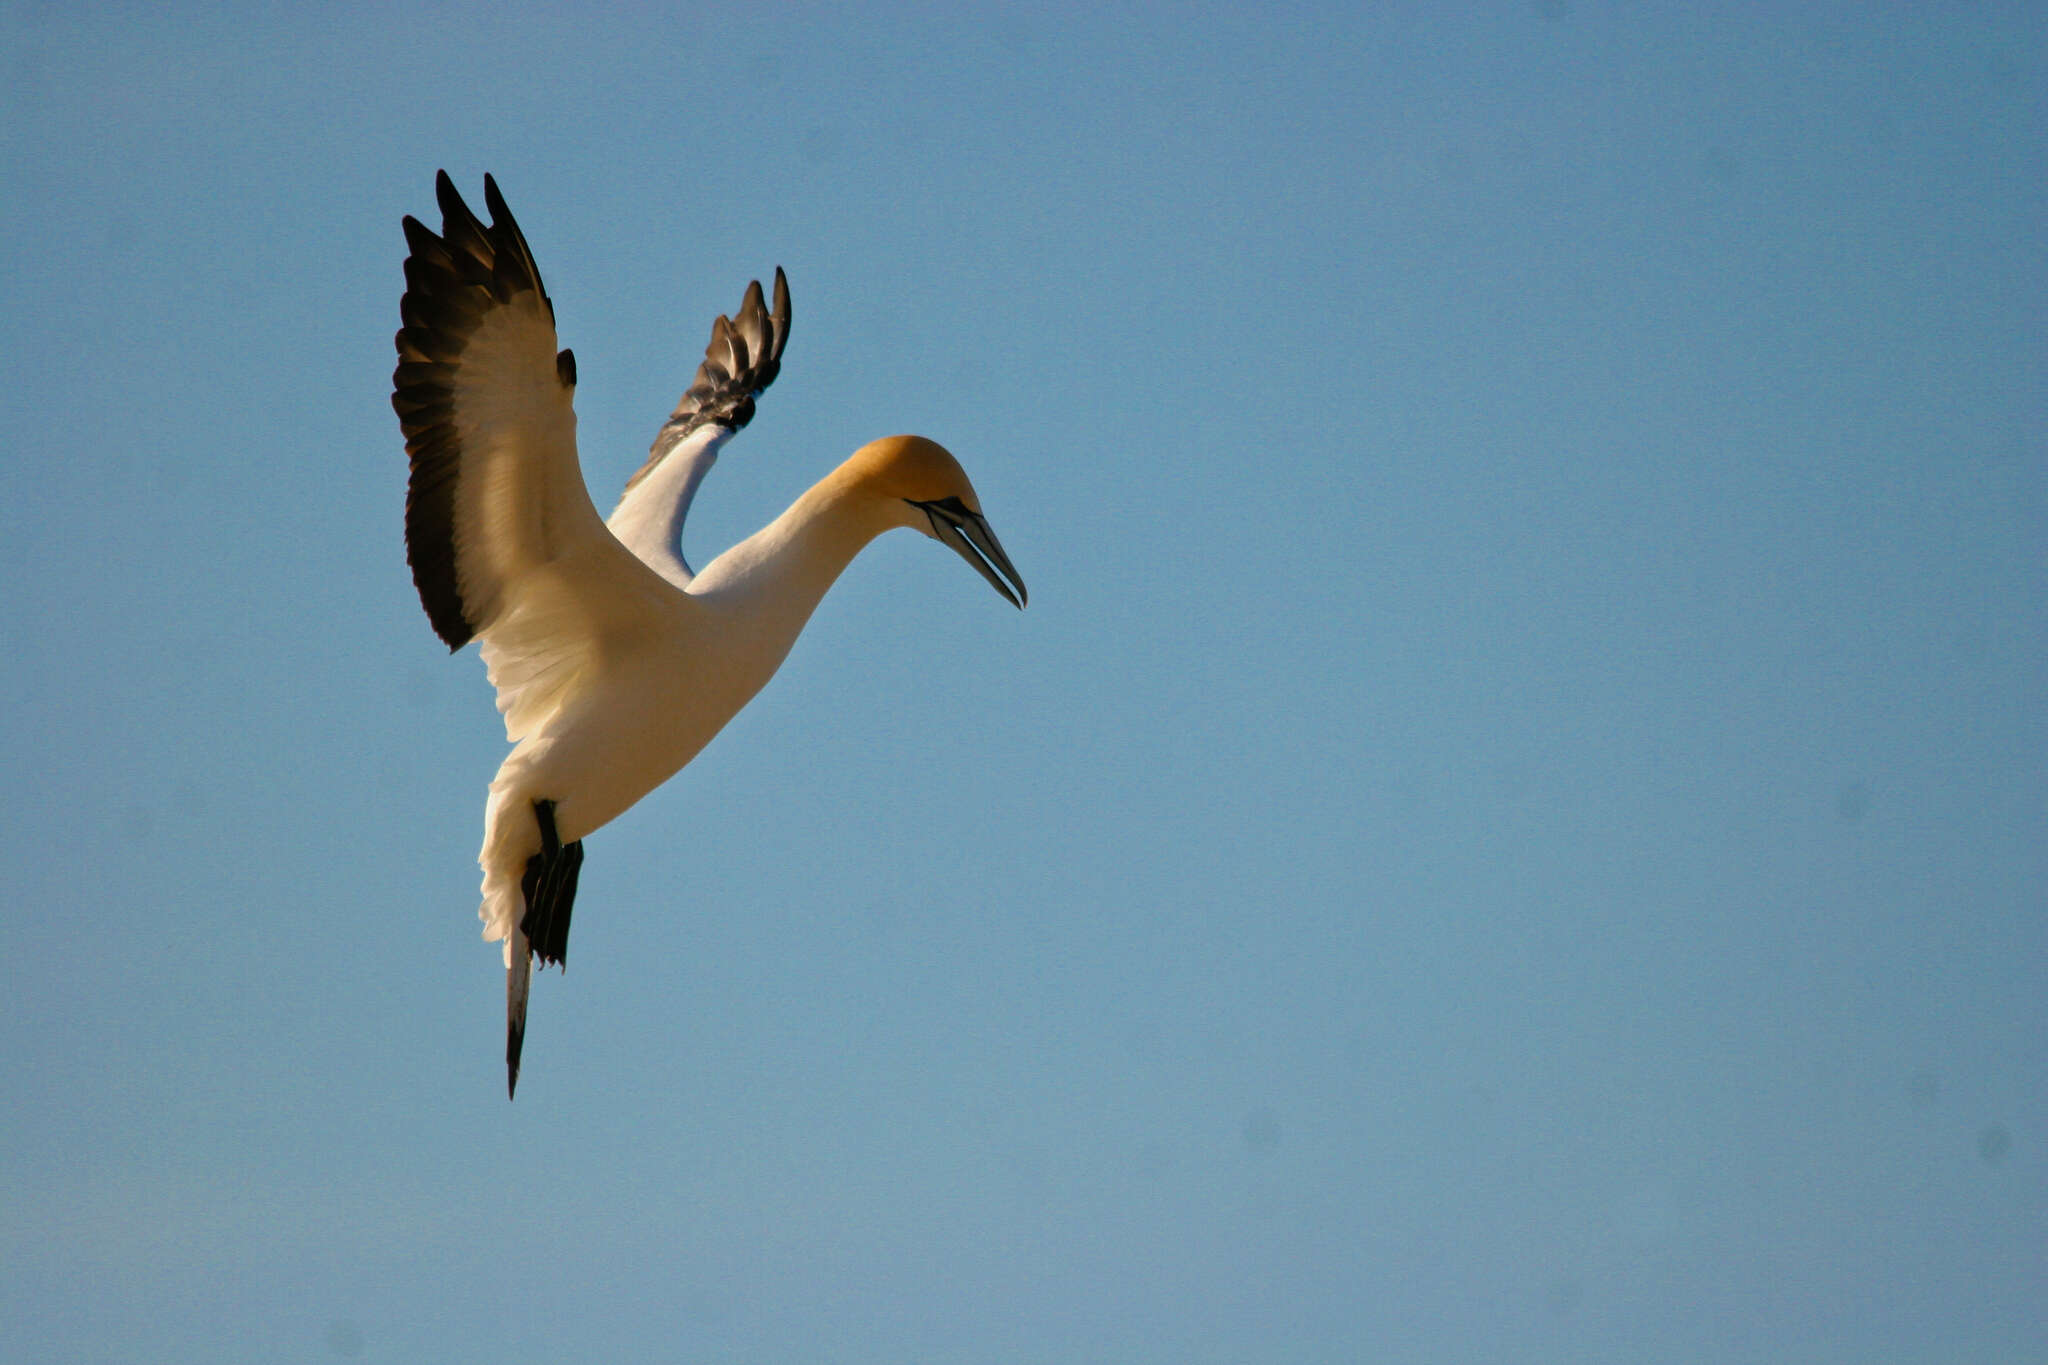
(922, 477)
(911, 468)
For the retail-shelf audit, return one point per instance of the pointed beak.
(968, 533)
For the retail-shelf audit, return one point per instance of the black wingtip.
(453, 211)
(741, 361)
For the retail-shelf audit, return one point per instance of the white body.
(597, 732)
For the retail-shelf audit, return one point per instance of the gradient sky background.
(1515, 826)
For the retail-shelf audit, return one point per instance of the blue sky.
(1511, 830)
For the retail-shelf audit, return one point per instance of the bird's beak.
(968, 533)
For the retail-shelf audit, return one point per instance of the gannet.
(614, 662)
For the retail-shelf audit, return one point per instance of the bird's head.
(929, 492)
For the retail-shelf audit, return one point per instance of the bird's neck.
(777, 576)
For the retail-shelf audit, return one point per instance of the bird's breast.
(644, 714)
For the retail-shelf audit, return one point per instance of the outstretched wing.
(742, 359)
(499, 529)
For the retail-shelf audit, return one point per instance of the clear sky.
(1514, 829)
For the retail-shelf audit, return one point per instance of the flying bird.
(614, 661)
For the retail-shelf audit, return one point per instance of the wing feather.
(741, 360)
(500, 531)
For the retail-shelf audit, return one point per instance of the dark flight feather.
(451, 282)
(741, 360)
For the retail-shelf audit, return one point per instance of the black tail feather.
(549, 886)
(515, 1039)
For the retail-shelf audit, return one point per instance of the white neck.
(777, 576)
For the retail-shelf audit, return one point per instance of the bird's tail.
(548, 890)
(518, 976)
